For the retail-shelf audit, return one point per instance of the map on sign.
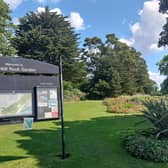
(47, 103)
(15, 104)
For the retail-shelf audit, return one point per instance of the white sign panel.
(47, 103)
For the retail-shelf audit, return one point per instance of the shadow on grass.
(10, 158)
(91, 143)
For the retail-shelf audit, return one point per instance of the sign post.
(64, 154)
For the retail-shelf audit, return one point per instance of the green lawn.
(93, 139)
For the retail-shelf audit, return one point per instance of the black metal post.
(64, 154)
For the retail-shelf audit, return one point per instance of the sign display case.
(47, 103)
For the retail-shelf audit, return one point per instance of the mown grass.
(93, 138)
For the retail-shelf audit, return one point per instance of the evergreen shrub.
(71, 93)
(147, 147)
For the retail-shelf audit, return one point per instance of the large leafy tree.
(163, 6)
(6, 28)
(47, 35)
(114, 69)
(163, 41)
(163, 67)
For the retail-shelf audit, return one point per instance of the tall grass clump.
(126, 104)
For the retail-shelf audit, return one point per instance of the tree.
(6, 28)
(114, 69)
(163, 67)
(163, 41)
(163, 6)
(47, 35)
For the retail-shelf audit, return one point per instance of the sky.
(135, 22)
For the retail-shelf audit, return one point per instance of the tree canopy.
(114, 69)
(163, 41)
(6, 28)
(163, 6)
(163, 67)
(47, 35)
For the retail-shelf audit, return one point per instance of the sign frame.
(36, 103)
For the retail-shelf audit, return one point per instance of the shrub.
(128, 104)
(147, 147)
(71, 93)
(68, 85)
(156, 111)
(125, 104)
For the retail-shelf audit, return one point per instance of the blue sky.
(135, 22)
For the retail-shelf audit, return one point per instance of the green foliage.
(114, 67)
(67, 85)
(164, 87)
(71, 93)
(156, 112)
(6, 28)
(163, 41)
(163, 6)
(163, 67)
(147, 147)
(126, 104)
(47, 35)
(100, 89)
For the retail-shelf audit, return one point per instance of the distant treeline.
(114, 69)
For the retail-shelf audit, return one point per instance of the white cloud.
(13, 4)
(145, 33)
(57, 10)
(42, 9)
(129, 42)
(76, 21)
(154, 47)
(155, 76)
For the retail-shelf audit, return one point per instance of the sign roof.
(26, 66)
